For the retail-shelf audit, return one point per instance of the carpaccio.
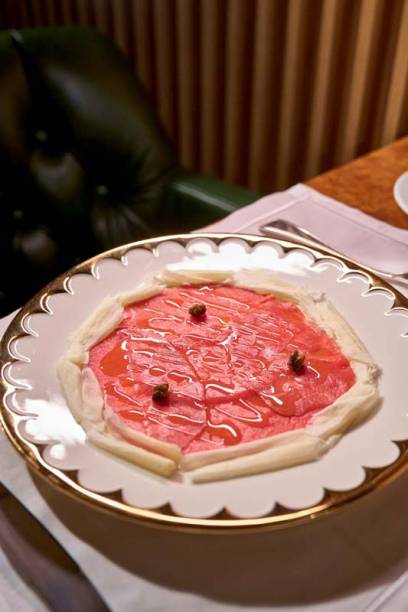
(228, 371)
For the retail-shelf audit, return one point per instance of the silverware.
(42, 562)
(285, 230)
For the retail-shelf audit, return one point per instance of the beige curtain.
(261, 92)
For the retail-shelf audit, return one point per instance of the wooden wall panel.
(261, 92)
(211, 94)
(398, 88)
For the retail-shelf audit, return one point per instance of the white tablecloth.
(355, 560)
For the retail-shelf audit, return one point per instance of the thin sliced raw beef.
(228, 371)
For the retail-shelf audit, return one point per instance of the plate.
(41, 427)
(400, 192)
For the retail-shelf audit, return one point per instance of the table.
(365, 183)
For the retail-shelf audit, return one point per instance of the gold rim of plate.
(222, 522)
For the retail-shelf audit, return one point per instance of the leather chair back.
(84, 162)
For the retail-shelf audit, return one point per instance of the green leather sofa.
(84, 163)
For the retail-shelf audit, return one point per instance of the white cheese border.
(104, 429)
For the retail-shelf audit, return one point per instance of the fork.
(286, 230)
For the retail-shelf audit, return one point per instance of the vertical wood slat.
(187, 79)
(100, 10)
(120, 25)
(51, 12)
(211, 85)
(323, 78)
(399, 82)
(228, 76)
(143, 33)
(238, 66)
(164, 41)
(82, 12)
(27, 20)
(368, 26)
(291, 96)
(67, 12)
(392, 21)
(263, 91)
(37, 12)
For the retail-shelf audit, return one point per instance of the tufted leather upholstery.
(84, 162)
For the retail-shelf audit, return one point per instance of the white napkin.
(346, 229)
(354, 560)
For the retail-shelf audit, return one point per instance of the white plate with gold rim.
(400, 192)
(40, 425)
